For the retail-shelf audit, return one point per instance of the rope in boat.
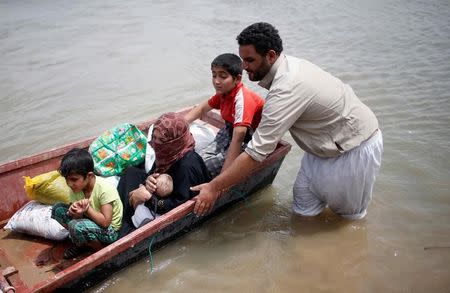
(150, 251)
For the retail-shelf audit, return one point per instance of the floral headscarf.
(171, 140)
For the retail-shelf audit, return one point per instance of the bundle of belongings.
(113, 151)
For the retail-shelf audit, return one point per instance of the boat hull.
(176, 229)
(43, 268)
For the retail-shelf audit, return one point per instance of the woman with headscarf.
(174, 151)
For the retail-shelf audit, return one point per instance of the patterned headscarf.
(171, 140)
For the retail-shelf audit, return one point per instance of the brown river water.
(71, 69)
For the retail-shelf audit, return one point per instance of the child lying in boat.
(142, 214)
(95, 214)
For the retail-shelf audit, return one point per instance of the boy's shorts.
(83, 231)
(343, 183)
(214, 154)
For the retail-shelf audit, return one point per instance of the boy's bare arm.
(235, 146)
(198, 111)
(102, 218)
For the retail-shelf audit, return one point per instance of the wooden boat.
(33, 264)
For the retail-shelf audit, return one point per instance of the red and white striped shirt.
(241, 106)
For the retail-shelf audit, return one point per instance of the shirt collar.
(266, 82)
(234, 91)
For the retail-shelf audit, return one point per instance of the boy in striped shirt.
(240, 108)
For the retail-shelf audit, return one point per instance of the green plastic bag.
(118, 148)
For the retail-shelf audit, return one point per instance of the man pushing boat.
(339, 134)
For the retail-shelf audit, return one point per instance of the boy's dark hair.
(263, 36)
(76, 161)
(230, 62)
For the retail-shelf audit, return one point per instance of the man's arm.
(240, 169)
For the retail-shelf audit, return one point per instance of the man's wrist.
(214, 189)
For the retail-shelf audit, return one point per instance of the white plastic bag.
(35, 219)
(203, 135)
(149, 152)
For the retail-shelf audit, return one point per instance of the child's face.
(77, 182)
(222, 81)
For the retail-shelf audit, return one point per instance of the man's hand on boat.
(205, 200)
(139, 196)
(238, 171)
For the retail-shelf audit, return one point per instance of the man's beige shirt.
(323, 114)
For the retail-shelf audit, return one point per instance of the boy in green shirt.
(94, 216)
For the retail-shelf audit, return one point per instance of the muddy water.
(71, 69)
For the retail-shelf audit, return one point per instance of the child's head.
(164, 185)
(226, 72)
(231, 63)
(77, 167)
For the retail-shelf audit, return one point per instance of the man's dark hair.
(76, 161)
(263, 36)
(230, 62)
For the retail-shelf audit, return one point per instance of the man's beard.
(259, 74)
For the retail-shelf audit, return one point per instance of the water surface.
(71, 69)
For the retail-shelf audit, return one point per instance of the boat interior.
(27, 262)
